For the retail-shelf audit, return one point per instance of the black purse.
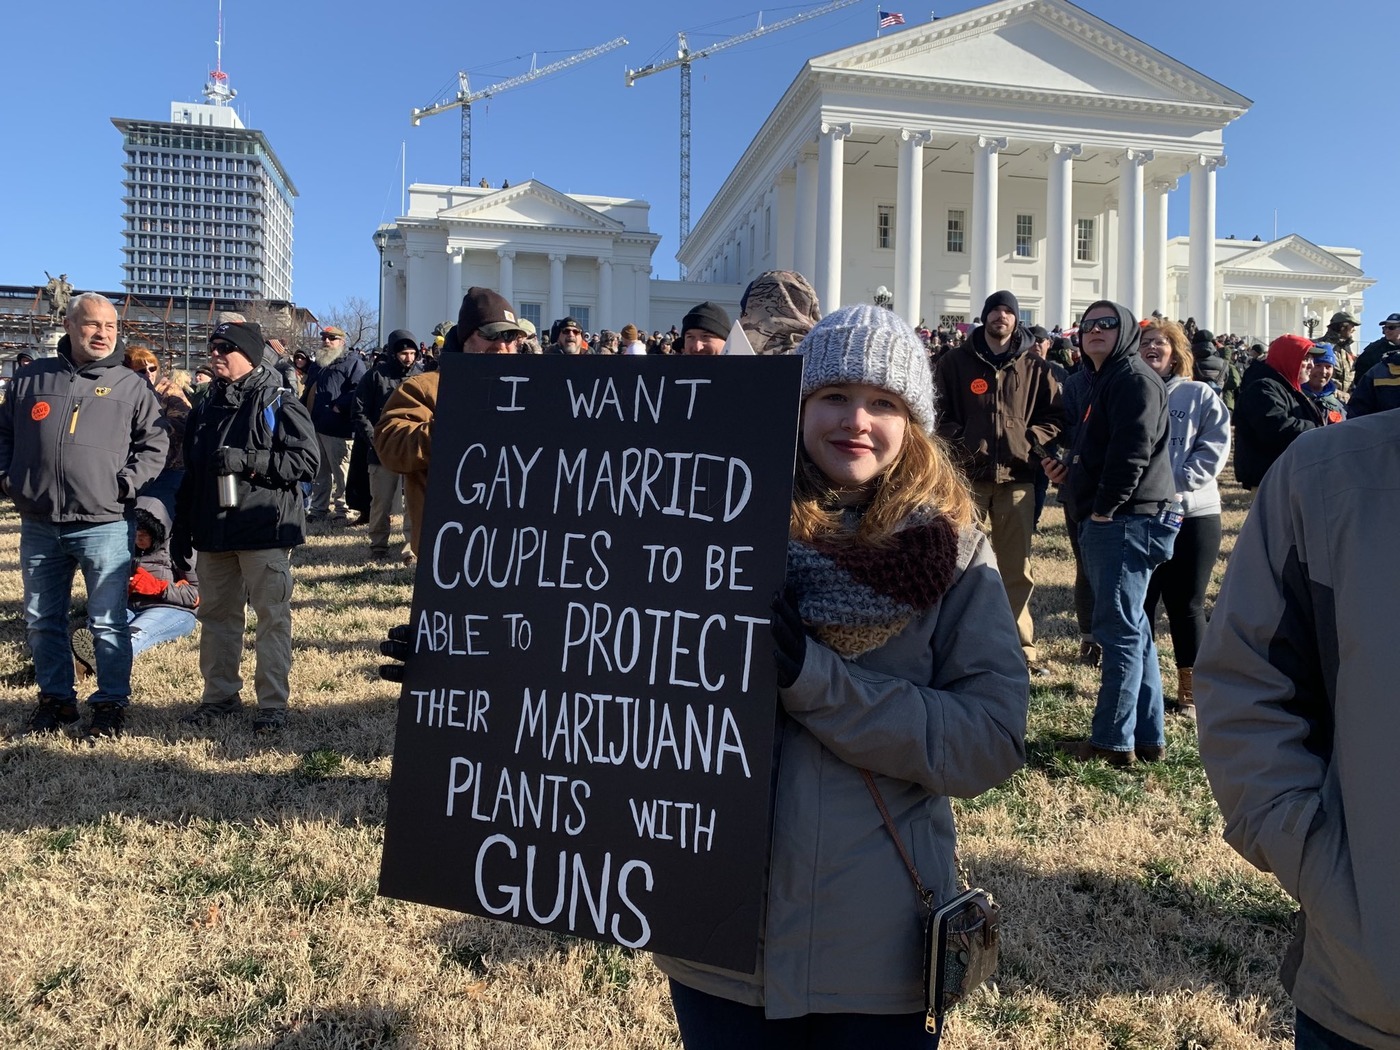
(961, 938)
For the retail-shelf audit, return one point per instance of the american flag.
(890, 18)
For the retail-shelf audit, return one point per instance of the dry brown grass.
(201, 888)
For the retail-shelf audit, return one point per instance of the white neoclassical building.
(1025, 145)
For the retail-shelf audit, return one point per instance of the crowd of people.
(904, 643)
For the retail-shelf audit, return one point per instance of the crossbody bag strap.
(924, 895)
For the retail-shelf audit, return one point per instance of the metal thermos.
(228, 490)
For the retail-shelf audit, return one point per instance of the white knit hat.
(871, 345)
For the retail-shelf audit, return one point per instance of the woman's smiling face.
(853, 432)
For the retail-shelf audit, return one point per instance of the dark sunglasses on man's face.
(326, 337)
(1389, 327)
(222, 348)
(1100, 324)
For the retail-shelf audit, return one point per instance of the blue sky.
(332, 84)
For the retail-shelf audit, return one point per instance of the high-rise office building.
(208, 206)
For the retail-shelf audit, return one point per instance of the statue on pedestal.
(57, 294)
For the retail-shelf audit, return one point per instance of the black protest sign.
(585, 734)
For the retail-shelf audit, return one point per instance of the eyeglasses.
(1160, 340)
(1100, 324)
(222, 348)
(152, 368)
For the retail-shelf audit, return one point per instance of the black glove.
(4, 484)
(790, 637)
(397, 645)
(230, 460)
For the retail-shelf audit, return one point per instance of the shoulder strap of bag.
(924, 895)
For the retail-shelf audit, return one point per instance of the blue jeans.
(1119, 557)
(159, 624)
(708, 1022)
(1309, 1035)
(49, 555)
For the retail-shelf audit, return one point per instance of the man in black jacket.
(1388, 343)
(1120, 489)
(78, 440)
(330, 395)
(400, 360)
(248, 447)
(1272, 409)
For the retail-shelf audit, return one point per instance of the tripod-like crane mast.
(466, 96)
(684, 57)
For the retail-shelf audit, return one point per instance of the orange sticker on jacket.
(40, 411)
(979, 386)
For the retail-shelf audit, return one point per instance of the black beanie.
(708, 317)
(1002, 298)
(245, 336)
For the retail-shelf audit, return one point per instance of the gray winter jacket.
(1298, 719)
(936, 712)
(1198, 439)
(77, 442)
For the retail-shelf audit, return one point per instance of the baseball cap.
(333, 330)
(1324, 354)
(1392, 319)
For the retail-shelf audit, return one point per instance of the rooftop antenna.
(216, 89)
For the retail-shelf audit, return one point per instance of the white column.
(1227, 298)
(556, 287)
(1130, 231)
(983, 278)
(1059, 231)
(454, 279)
(909, 214)
(1154, 291)
(804, 242)
(605, 296)
(420, 304)
(505, 283)
(1266, 336)
(642, 274)
(785, 223)
(831, 185)
(1108, 267)
(1201, 301)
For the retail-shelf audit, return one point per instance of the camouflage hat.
(779, 307)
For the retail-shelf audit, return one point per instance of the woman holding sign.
(896, 655)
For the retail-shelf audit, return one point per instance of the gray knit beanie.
(869, 344)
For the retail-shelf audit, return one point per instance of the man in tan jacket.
(403, 437)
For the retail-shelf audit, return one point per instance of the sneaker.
(84, 651)
(208, 711)
(107, 720)
(269, 719)
(51, 715)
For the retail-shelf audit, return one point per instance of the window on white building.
(1025, 237)
(581, 314)
(957, 228)
(532, 312)
(884, 226)
(1085, 243)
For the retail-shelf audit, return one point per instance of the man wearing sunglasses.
(252, 430)
(1375, 350)
(403, 437)
(80, 435)
(1120, 489)
(330, 395)
(568, 338)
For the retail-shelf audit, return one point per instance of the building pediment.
(1034, 47)
(1290, 255)
(531, 204)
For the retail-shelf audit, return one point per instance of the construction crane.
(466, 96)
(684, 57)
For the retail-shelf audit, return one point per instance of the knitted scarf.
(856, 598)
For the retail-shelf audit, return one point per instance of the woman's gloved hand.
(397, 645)
(789, 637)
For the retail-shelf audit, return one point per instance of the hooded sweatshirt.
(1120, 463)
(1272, 410)
(1199, 443)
